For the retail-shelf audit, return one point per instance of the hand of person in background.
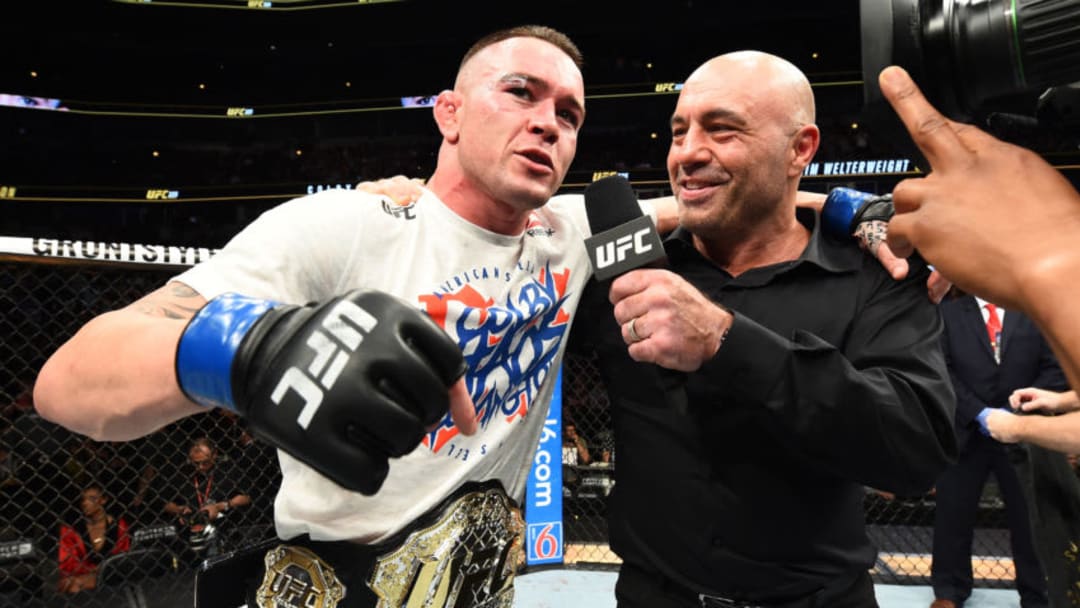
(1002, 425)
(990, 215)
(214, 509)
(1033, 399)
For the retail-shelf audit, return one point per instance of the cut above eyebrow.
(525, 79)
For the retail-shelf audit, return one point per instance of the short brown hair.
(541, 32)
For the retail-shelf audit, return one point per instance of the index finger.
(462, 409)
(931, 131)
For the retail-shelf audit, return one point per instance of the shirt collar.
(828, 253)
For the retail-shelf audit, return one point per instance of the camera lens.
(964, 53)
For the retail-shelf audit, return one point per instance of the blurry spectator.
(575, 450)
(84, 545)
(117, 465)
(605, 440)
(204, 494)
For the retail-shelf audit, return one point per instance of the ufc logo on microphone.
(612, 252)
(341, 333)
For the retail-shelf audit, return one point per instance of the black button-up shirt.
(746, 478)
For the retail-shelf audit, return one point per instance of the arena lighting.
(974, 58)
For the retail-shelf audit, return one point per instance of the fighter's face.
(523, 105)
(729, 154)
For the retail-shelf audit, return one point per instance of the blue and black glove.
(342, 385)
(846, 208)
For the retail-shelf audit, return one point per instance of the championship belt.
(461, 554)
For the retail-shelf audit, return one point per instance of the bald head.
(741, 136)
(763, 76)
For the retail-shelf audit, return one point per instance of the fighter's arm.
(871, 235)
(115, 379)
(405, 191)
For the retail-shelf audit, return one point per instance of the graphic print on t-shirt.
(509, 346)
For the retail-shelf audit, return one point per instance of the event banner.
(543, 494)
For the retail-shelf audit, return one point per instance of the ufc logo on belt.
(341, 333)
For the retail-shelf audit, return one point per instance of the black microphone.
(623, 237)
(626, 239)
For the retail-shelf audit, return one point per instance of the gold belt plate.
(465, 559)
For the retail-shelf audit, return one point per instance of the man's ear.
(447, 112)
(803, 147)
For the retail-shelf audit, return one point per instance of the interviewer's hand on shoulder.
(402, 191)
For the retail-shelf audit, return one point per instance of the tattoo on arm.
(871, 234)
(167, 302)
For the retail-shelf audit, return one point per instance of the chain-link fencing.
(89, 523)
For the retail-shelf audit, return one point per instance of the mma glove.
(342, 386)
(846, 208)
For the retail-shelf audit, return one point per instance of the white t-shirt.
(507, 300)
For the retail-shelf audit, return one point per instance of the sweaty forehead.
(532, 57)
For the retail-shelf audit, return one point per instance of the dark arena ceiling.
(308, 51)
(200, 103)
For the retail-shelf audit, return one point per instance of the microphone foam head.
(610, 202)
